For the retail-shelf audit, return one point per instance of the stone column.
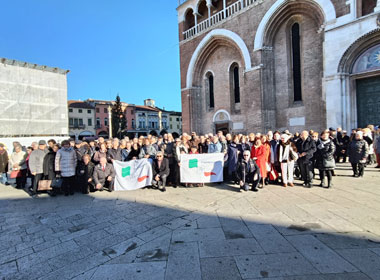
(224, 9)
(377, 8)
(109, 121)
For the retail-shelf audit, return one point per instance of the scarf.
(284, 152)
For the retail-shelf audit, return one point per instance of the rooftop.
(14, 62)
(79, 104)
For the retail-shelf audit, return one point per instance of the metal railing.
(218, 17)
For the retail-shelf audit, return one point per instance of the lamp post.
(110, 121)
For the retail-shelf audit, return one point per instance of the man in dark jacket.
(36, 163)
(306, 149)
(115, 152)
(358, 153)
(85, 171)
(248, 172)
(104, 175)
(3, 164)
(161, 171)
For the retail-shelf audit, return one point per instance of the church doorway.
(368, 101)
(224, 127)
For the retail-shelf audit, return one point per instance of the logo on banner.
(208, 174)
(193, 163)
(125, 172)
(142, 178)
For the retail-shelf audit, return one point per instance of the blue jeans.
(3, 178)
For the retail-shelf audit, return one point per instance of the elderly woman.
(325, 158)
(248, 172)
(287, 155)
(258, 153)
(17, 163)
(358, 153)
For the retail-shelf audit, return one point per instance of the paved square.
(214, 232)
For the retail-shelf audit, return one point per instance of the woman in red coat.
(258, 153)
(266, 144)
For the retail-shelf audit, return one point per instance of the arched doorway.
(222, 121)
(360, 82)
(366, 72)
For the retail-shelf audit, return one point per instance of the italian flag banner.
(132, 175)
(202, 168)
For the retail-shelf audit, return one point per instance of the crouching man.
(104, 175)
(248, 173)
(160, 171)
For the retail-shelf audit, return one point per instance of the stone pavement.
(215, 232)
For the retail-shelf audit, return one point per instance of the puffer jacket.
(66, 162)
(357, 150)
(325, 154)
(19, 158)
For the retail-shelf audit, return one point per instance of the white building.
(81, 120)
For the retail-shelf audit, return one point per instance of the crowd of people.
(250, 161)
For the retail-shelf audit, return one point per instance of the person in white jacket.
(65, 165)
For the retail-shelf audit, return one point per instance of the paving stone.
(349, 240)
(128, 257)
(219, 268)
(189, 235)
(208, 222)
(133, 271)
(234, 228)
(274, 265)
(155, 250)
(322, 257)
(339, 276)
(270, 239)
(153, 233)
(367, 261)
(231, 247)
(183, 262)
(123, 247)
(7, 270)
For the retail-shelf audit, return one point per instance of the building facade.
(256, 65)
(81, 120)
(175, 122)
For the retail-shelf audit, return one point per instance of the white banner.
(202, 168)
(132, 175)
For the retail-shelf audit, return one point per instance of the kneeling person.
(161, 171)
(85, 171)
(104, 175)
(248, 172)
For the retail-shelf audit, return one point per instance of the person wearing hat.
(3, 164)
(36, 163)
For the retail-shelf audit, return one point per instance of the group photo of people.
(251, 161)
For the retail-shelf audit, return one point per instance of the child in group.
(194, 151)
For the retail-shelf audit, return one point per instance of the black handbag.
(328, 163)
(56, 183)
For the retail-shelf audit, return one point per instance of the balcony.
(219, 17)
(77, 126)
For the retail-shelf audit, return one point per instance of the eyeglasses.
(245, 155)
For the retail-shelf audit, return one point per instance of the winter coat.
(233, 157)
(4, 162)
(377, 145)
(260, 154)
(133, 153)
(214, 148)
(246, 168)
(308, 147)
(36, 161)
(357, 150)
(85, 172)
(49, 165)
(178, 151)
(274, 146)
(286, 153)
(100, 176)
(81, 152)
(19, 158)
(66, 162)
(148, 150)
(162, 170)
(325, 155)
(114, 154)
(98, 155)
(203, 148)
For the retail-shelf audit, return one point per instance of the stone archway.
(360, 81)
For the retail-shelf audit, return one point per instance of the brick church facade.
(258, 65)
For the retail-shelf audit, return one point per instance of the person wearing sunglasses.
(248, 173)
(161, 171)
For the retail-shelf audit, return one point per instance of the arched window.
(202, 11)
(296, 61)
(235, 84)
(189, 19)
(210, 90)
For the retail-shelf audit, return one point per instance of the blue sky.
(110, 46)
